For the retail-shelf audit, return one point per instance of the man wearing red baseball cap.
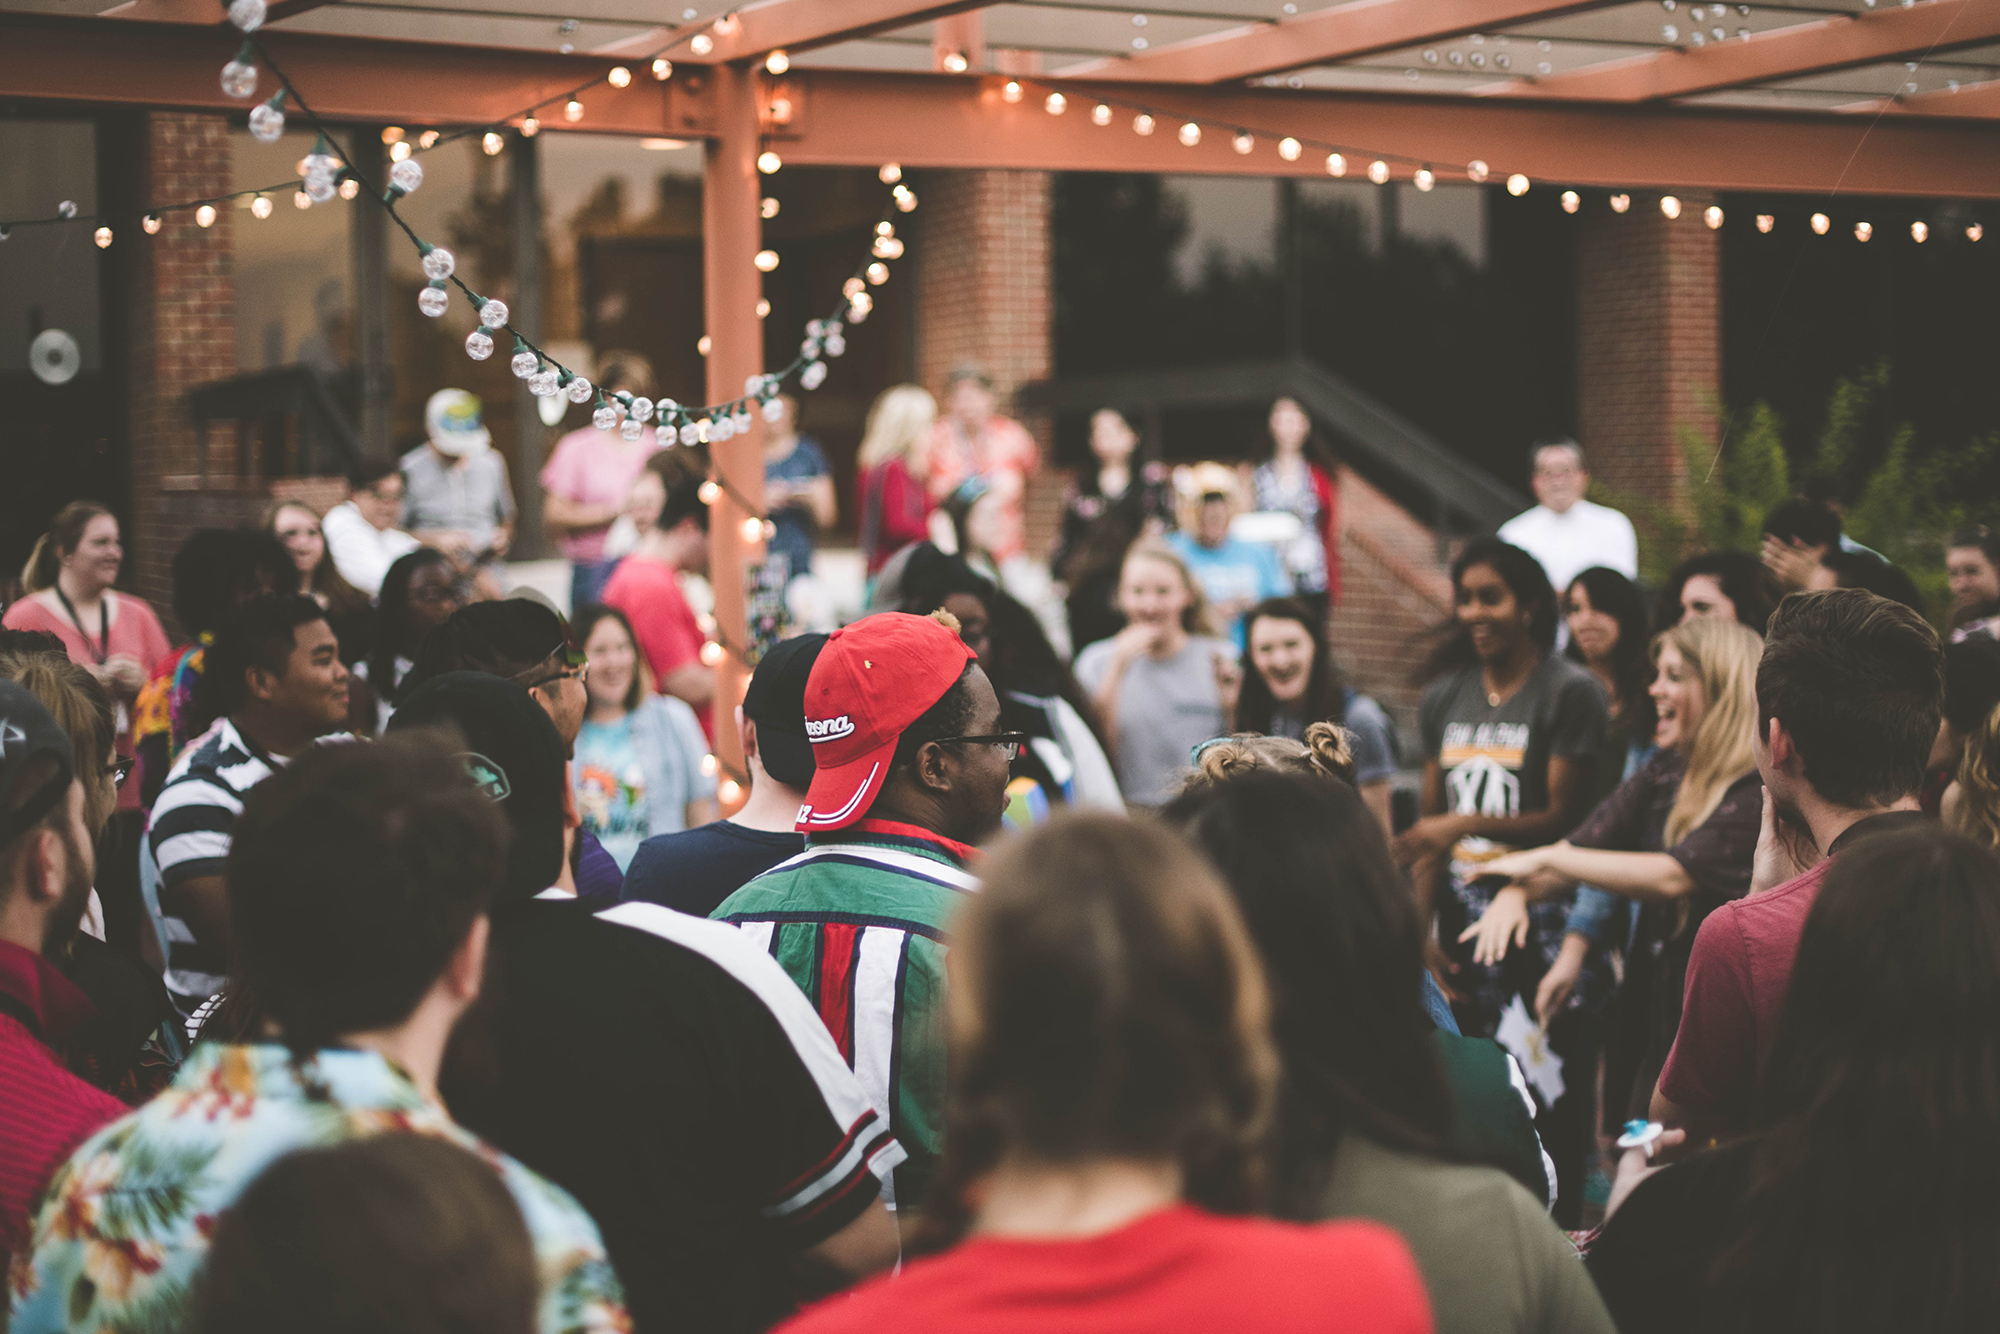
(911, 770)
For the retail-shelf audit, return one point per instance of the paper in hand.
(1529, 1044)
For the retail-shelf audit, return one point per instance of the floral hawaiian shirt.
(126, 1222)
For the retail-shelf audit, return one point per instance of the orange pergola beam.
(1342, 32)
(796, 25)
(926, 121)
(1978, 101)
(1841, 42)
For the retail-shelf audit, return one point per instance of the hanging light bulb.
(630, 430)
(853, 287)
(813, 376)
(578, 389)
(1243, 142)
(479, 345)
(639, 408)
(709, 493)
(530, 127)
(956, 62)
(428, 139)
(103, 238)
(728, 791)
(753, 529)
(878, 273)
(152, 224)
(663, 69)
(1477, 170)
(1055, 104)
(767, 207)
(858, 306)
(406, 175)
(1820, 223)
(1100, 114)
(604, 417)
(711, 653)
(572, 111)
(438, 263)
(766, 260)
(1424, 179)
(349, 188)
(493, 313)
(205, 216)
(890, 173)
(1190, 134)
(1765, 222)
(301, 200)
(701, 44)
(1712, 215)
(1920, 232)
(1619, 203)
(1571, 201)
(392, 134)
(1142, 124)
(777, 62)
(248, 15)
(1010, 91)
(906, 199)
(1670, 206)
(1863, 231)
(1517, 185)
(399, 150)
(1973, 231)
(320, 187)
(239, 79)
(1378, 171)
(260, 207)
(434, 300)
(267, 120)
(1290, 148)
(769, 162)
(492, 143)
(703, 344)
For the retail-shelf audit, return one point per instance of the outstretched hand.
(1505, 920)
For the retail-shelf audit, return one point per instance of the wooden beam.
(1840, 42)
(1973, 101)
(798, 25)
(1342, 32)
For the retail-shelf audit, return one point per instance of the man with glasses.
(364, 536)
(910, 773)
(1565, 532)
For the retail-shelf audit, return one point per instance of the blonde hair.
(1325, 753)
(1723, 656)
(1195, 617)
(1977, 814)
(899, 424)
(83, 710)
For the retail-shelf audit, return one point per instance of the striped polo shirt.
(858, 921)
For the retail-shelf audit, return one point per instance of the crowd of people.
(381, 956)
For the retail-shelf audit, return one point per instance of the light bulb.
(399, 150)
(630, 430)
(434, 300)
(766, 260)
(605, 417)
(906, 199)
(640, 408)
(572, 111)
(955, 62)
(619, 77)
(1142, 124)
(301, 200)
(709, 493)
(1243, 142)
(1712, 215)
(663, 69)
(1477, 170)
(492, 143)
(428, 139)
(1055, 104)
(1190, 134)
(1619, 203)
(813, 376)
(266, 123)
(66, 209)
(493, 313)
(544, 383)
(1424, 179)
(392, 134)
(858, 307)
(103, 238)
(349, 188)
(239, 79)
(711, 653)
(1862, 231)
(1820, 223)
(702, 44)
(1670, 206)
(835, 345)
(890, 173)
(438, 262)
(878, 273)
(769, 162)
(1290, 148)
(151, 224)
(723, 428)
(319, 188)
(689, 433)
(728, 791)
(753, 530)
(708, 766)
(777, 62)
(1765, 222)
(247, 14)
(1571, 201)
(1100, 114)
(524, 363)
(703, 344)
(885, 228)
(1920, 232)
(479, 345)
(260, 207)
(205, 216)
(406, 175)
(578, 390)
(1010, 91)
(1973, 231)
(773, 410)
(1378, 172)
(763, 308)
(530, 127)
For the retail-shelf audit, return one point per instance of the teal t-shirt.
(610, 786)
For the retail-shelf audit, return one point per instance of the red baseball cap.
(872, 680)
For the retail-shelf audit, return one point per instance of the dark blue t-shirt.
(794, 538)
(695, 870)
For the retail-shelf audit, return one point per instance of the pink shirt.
(135, 630)
(649, 593)
(1006, 455)
(593, 467)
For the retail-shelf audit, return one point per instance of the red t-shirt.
(649, 593)
(1176, 1270)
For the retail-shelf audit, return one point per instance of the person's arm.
(1650, 877)
(1711, 1070)
(868, 1245)
(691, 682)
(1126, 646)
(817, 493)
(1569, 789)
(1376, 796)
(202, 902)
(562, 515)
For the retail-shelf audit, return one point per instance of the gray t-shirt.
(1371, 736)
(472, 497)
(1166, 707)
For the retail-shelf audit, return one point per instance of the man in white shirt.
(1565, 532)
(362, 535)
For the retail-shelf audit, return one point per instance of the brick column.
(1649, 341)
(983, 287)
(183, 323)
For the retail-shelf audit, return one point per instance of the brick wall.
(183, 322)
(1394, 590)
(984, 295)
(1649, 342)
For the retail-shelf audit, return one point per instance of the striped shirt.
(858, 922)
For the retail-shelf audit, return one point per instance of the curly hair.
(1325, 753)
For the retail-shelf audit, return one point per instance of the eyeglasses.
(120, 769)
(576, 664)
(1010, 742)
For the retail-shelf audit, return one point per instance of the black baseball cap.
(514, 754)
(776, 701)
(26, 731)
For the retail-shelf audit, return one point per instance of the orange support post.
(730, 231)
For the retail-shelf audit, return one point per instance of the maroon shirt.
(45, 1111)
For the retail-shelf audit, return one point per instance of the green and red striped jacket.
(859, 920)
